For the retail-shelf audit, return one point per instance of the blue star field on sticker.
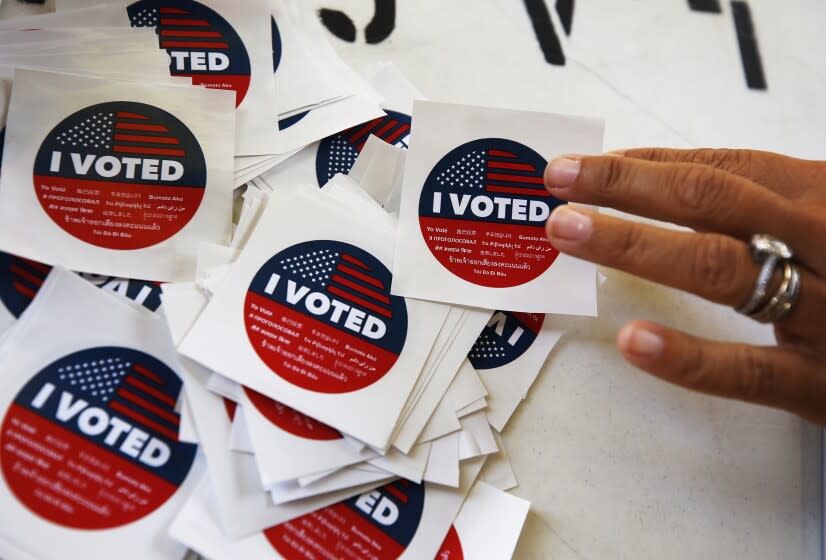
(315, 266)
(93, 132)
(469, 171)
(100, 378)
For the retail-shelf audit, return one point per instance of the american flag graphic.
(486, 346)
(179, 29)
(389, 128)
(495, 171)
(344, 148)
(343, 276)
(27, 276)
(128, 388)
(122, 132)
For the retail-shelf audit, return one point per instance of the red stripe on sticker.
(44, 268)
(398, 134)
(509, 165)
(146, 373)
(161, 396)
(146, 405)
(25, 290)
(184, 22)
(398, 494)
(355, 261)
(360, 275)
(361, 289)
(500, 153)
(147, 139)
(173, 11)
(386, 128)
(148, 151)
(26, 275)
(365, 130)
(141, 419)
(144, 127)
(192, 45)
(515, 178)
(125, 115)
(186, 33)
(517, 190)
(360, 301)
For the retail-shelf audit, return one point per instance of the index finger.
(787, 176)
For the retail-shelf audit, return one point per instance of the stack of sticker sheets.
(257, 303)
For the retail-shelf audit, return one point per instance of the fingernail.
(639, 341)
(567, 224)
(562, 172)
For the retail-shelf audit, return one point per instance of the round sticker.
(482, 213)
(506, 337)
(201, 44)
(451, 547)
(120, 175)
(338, 153)
(91, 442)
(290, 420)
(379, 524)
(20, 280)
(321, 316)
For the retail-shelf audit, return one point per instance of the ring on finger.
(772, 252)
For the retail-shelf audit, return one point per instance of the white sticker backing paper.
(474, 206)
(115, 177)
(89, 437)
(305, 317)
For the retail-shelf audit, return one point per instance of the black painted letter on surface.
(545, 34)
(749, 51)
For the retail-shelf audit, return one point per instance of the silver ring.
(782, 302)
(770, 252)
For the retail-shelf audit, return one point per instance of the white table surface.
(616, 463)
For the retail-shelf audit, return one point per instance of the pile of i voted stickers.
(238, 315)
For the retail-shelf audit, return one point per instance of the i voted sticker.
(91, 442)
(20, 280)
(505, 338)
(379, 524)
(338, 153)
(120, 175)
(290, 420)
(451, 547)
(321, 316)
(201, 44)
(482, 213)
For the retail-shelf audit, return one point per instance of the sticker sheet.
(89, 435)
(305, 317)
(400, 520)
(487, 527)
(117, 178)
(474, 206)
(508, 356)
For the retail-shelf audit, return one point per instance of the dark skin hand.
(725, 196)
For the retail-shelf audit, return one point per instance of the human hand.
(726, 196)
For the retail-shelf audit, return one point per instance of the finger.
(713, 266)
(787, 176)
(777, 377)
(692, 195)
